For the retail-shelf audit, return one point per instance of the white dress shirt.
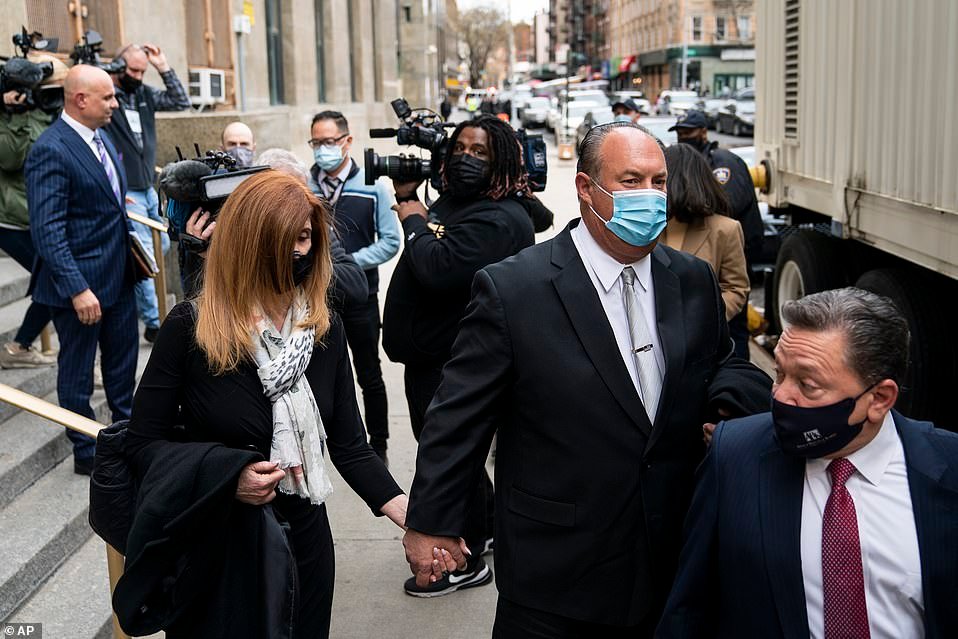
(341, 175)
(87, 134)
(605, 273)
(886, 529)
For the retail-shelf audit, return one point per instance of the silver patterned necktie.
(332, 188)
(108, 167)
(650, 377)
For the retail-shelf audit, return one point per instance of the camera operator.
(474, 223)
(133, 128)
(20, 126)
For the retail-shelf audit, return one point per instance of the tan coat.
(718, 240)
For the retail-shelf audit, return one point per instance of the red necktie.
(843, 583)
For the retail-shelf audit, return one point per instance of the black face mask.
(129, 84)
(467, 176)
(302, 267)
(815, 431)
(697, 143)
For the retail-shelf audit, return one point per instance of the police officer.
(732, 173)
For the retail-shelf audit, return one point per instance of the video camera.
(202, 182)
(425, 129)
(25, 76)
(88, 50)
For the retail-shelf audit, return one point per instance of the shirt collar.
(606, 268)
(85, 132)
(342, 174)
(873, 458)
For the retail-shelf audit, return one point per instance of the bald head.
(238, 134)
(88, 96)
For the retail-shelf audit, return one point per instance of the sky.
(522, 10)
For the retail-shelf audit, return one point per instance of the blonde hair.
(250, 263)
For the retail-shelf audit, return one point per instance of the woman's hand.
(257, 483)
(200, 227)
(395, 509)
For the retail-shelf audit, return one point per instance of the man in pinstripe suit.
(84, 271)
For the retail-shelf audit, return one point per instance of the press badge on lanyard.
(133, 117)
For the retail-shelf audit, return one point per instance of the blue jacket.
(79, 228)
(363, 217)
(740, 574)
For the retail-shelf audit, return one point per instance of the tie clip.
(643, 349)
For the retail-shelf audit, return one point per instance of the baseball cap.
(693, 119)
(628, 104)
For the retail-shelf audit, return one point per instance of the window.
(201, 51)
(720, 29)
(354, 88)
(376, 55)
(56, 20)
(696, 28)
(745, 27)
(320, 49)
(274, 52)
(407, 12)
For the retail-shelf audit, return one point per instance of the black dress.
(180, 399)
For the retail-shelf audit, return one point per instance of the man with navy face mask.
(366, 225)
(832, 516)
(595, 357)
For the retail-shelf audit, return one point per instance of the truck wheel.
(931, 353)
(808, 262)
(718, 125)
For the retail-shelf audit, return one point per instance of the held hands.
(87, 307)
(430, 556)
(156, 57)
(258, 481)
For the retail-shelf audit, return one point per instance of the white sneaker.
(12, 355)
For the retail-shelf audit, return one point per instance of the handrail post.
(46, 342)
(114, 562)
(160, 279)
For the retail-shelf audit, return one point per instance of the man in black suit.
(833, 515)
(595, 355)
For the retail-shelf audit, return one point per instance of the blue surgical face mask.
(622, 117)
(328, 157)
(638, 216)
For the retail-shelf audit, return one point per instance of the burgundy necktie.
(843, 582)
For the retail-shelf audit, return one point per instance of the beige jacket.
(718, 240)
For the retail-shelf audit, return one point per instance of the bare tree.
(483, 29)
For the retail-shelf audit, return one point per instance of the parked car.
(645, 107)
(678, 102)
(711, 108)
(593, 95)
(571, 117)
(599, 115)
(535, 113)
(659, 127)
(738, 115)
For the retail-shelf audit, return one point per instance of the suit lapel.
(780, 494)
(933, 495)
(670, 321)
(85, 158)
(581, 303)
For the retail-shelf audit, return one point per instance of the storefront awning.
(626, 63)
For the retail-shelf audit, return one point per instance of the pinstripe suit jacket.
(740, 574)
(79, 228)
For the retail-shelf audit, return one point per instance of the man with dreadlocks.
(477, 221)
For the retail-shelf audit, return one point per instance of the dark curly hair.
(508, 174)
(693, 191)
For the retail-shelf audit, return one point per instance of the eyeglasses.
(315, 144)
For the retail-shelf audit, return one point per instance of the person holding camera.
(23, 118)
(475, 222)
(257, 363)
(133, 129)
(367, 227)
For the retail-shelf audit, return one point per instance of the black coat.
(590, 497)
(191, 540)
(430, 287)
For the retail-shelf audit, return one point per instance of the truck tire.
(932, 367)
(808, 262)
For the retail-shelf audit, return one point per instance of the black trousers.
(738, 331)
(421, 384)
(362, 325)
(514, 621)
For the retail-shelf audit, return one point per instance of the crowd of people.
(603, 361)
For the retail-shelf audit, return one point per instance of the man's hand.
(87, 307)
(13, 98)
(200, 227)
(430, 556)
(156, 57)
(257, 483)
(708, 429)
(405, 189)
(405, 209)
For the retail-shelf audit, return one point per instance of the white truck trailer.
(857, 127)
